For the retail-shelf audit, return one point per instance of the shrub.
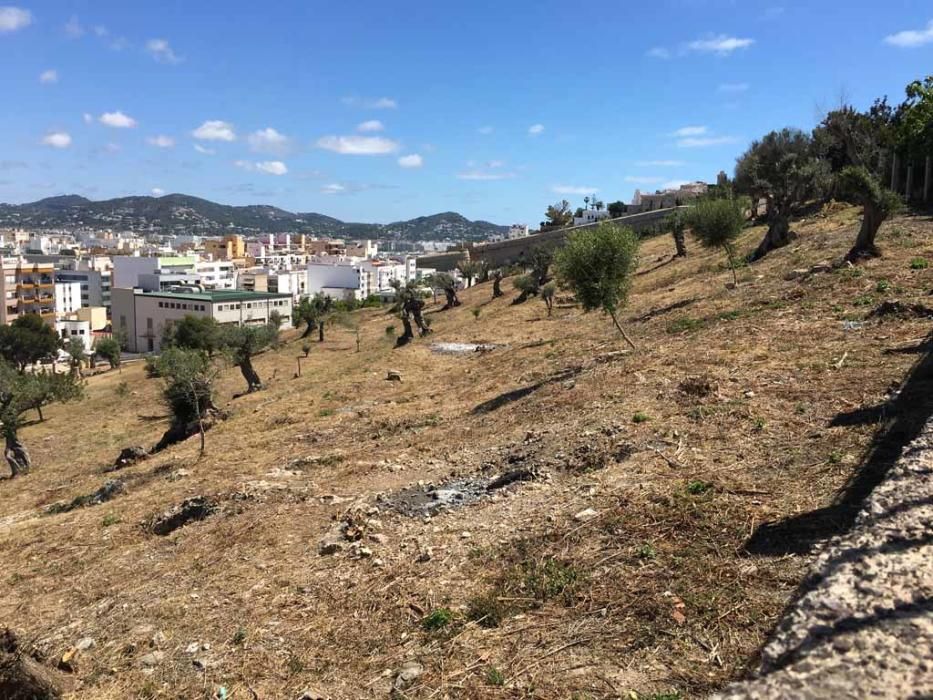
(918, 264)
(437, 619)
(597, 265)
(718, 223)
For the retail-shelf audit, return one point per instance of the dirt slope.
(628, 558)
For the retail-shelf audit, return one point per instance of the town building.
(26, 288)
(141, 315)
(517, 231)
(154, 273)
(67, 297)
(226, 248)
(591, 216)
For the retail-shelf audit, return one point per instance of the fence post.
(927, 174)
(894, 172)
(910, 182)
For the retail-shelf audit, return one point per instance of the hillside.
(625, 558)
(181, 213)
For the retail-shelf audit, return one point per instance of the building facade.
(141, 316)
(26, 288)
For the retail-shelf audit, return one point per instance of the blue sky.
(379, 111)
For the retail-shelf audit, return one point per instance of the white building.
(143, 315)
(591, 216)
(216, 274)
(340, 279)
(517, 231)
(67, 297)
(95, 277)
(72, 328)
(154, 273)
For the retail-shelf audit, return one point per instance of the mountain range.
(180, 213)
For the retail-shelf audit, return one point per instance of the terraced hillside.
(553, 517)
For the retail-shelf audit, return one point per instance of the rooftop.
(216, 295)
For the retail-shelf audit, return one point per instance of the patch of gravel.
(863, 628)
(462, 348)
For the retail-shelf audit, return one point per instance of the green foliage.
(76, 353)
(188, 383)
(616, 209)
(437, 619)
(239, 636)
(698, 487)
(526, 284)
(640, 417)
(390, 330)
(476, 312)
(915, 128)
(782, 167)
(857, 185)
(685, 325)
(22, 391)
(646, 551)
(495, 677)
(110, 519)
(847, 137)
(28, 340)
(597, 264)
(469, 269)
(242, 342)
(559, 214)
(718, 223)
(918, 264)
(201, 333)
(549, 578)
(109, 349)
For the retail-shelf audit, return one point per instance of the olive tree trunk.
(497, 288)
(778, 235)
(320, 331)
(680, 243)
(865, 247)
(253, 382)
(17, 456)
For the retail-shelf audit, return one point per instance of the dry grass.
(734, 392)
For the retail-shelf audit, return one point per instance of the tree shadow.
(901, 421)
(656, 267)
(654, 313)
(508, 397)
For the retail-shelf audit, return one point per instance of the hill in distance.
(177, 213)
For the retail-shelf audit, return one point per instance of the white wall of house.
(336, 275)
(67, 297)
(76, 329)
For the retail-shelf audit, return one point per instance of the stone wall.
(862, 626)
(500, 253)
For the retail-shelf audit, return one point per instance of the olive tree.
(242, 343)
(496, 284)
(313, 312)
(21, 392)
(857, 185)
(547, 294)
(188, 392)
(783, 168)
(409, 306)
(449, 286)
(76, 355)
(27, 341)
(109, 349)
(677, 224)
(718, 223)
(598, 264)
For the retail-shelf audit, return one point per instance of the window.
(160, 304)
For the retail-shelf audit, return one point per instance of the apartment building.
(226, 248)
(216, 274)
(142, 315)
(26, 288)
(154, 273)
(67, 297)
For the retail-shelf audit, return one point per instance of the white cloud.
(411, 161)
(269, 140)
(215, 130)
(272, 167)
(658, 52)
(495, 164)
(536, 129)
(721, 45)
(705, 141)
(574, 189)
(117, 120)
(202, 149)
(370, 103)
(161, 51)
(333, 188)
(88, 118)
(73, 28)
(358, 145)
(643, 179)
(691, 131)
(733, 87)
(48, 76)
(371, 126)
(161, 141)
(660, 163)
(911, 38)
(101, 31)
(157, 191)
(57, 139)
(111, 147)
(269, 167)
(484, 175)
(13, 18)
(485, 130)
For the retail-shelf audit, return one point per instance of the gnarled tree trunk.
(865, 247)
(496, 287)
(17, 456)
(680, 243)
(320, 331)
(777, 236)
(452, 299)
(253, 382)
(405, 337)
(308, 328)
